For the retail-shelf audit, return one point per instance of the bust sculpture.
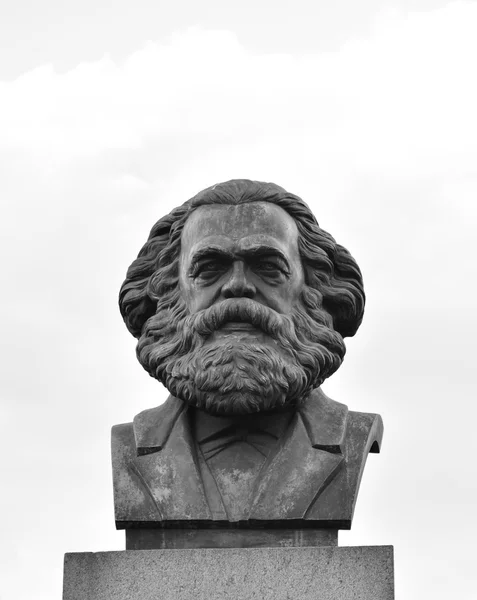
(240, 303)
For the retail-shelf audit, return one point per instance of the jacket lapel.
(170, 470)
(308, 459)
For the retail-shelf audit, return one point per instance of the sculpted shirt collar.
(324, 420)
(211, 426)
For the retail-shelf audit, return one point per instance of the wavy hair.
(332, 276)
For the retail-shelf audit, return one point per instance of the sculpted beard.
(235, 373)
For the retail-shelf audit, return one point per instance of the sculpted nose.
(238, 285)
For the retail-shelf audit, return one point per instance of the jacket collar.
(152, 427)
(324, 420)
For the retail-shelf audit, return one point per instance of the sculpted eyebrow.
(259, 251)
(212, 251)
(264, 250)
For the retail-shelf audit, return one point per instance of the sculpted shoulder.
(122, 441)
(336, 422)
(132, 500)
(361, 433)
(367, 427)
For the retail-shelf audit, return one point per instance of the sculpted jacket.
(313, 476)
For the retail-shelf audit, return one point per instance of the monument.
(240, 303)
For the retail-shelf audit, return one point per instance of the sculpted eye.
(209, 269)
(269, 268)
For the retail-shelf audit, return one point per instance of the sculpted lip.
(238, 326)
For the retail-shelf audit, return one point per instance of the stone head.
(240, 301)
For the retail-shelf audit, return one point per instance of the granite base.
(307, 573)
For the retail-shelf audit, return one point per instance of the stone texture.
(313, 476)
(328, 573)
(151, 539)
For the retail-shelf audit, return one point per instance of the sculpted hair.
(333, 278)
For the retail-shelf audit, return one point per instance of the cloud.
(401, 99)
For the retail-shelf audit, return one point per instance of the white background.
(113, 113)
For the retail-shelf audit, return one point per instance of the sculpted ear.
(135, 303)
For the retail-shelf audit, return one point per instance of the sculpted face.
(242, 333)
(244, 251)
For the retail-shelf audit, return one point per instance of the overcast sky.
(111, 117)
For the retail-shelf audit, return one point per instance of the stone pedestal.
(307, 573)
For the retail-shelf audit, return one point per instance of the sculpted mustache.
(236, 309)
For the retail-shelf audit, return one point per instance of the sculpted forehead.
(255, 222)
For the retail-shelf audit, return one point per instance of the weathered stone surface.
(240, 303)
(360, 573)
(313, 477)
(158, 538)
